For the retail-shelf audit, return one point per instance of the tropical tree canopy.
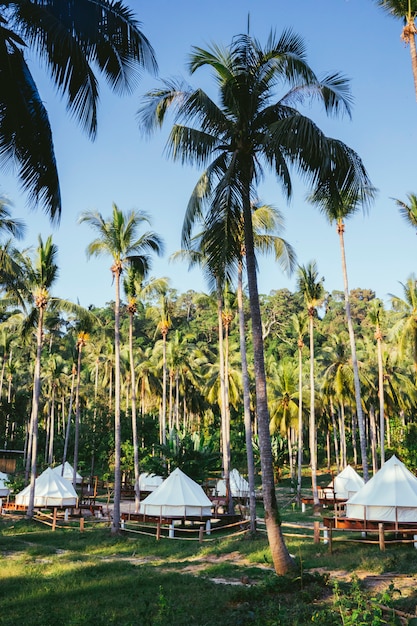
(75, 42)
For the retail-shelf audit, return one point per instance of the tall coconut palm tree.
(118, 238)
(75, 42)
(311, 286)
(337, 205)
(406, 11)
(34, 291)
(408, 210)
(252, 126)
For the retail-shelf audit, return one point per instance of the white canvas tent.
(4, 490)
(177, 497)
(149, 482)
(239, 486)
(51, 490)
(68, 472)
(345, 484)
(389, 496)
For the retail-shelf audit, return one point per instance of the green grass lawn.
(71, 578)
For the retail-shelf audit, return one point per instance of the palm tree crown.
(406, 11)
(75, 41)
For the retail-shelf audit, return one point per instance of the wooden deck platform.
(218, 520)
(349, 523)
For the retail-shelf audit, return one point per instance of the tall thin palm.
(311, 286)
(118, 238)
(337, 205)
(40, 278)
(406, 11)
(250, 127)
(75, 42)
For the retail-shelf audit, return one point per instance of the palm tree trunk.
(335, 439)
(223, 399)
(312, 422)
(361, 423)
(77, 419)
(246, 404)
(164, 390)
(413, 54)
(300, 421)
(280, 556)
(67, 433)
(372, 427)
(35, 413)
(355, 453)
(134, 420)
(227, 410)
(381, 396)
(117, 425)
(52, 428)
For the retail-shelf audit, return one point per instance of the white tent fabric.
(346, 483)
(50, 490)
(68, 472)
(4, 490)
(389, 496)
(177, 497)
(149, 482)
(238, 485)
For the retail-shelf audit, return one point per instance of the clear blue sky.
(350, 36)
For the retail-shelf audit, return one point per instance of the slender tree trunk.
(312, 422)
(378, 336)
(227, 408)
(290, 454)
(246, 404)
(335, 439)
(328, 449)
(93, 446)
(280, 555)
(177, 401)
(35, 413)
(77, 418)
(343, 452)
(372, 426)
(355, 453)
(134, 419)
(223, 402)
(52, 428)
(300, 420)
(117, 426)
(413, 53)
(67, 433)
(3, 367)
(164, 390)
(361, 422)
(9, 401)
